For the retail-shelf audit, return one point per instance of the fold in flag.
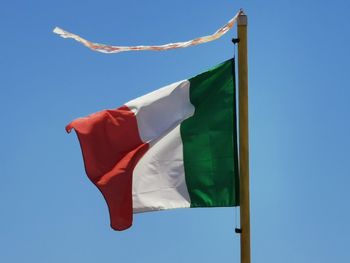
(103, 48)
(175, 147)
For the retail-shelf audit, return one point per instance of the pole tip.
(241, 11)
(242, 18)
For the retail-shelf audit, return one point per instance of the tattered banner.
(115, 49)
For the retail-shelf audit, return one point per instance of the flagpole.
(243, 137)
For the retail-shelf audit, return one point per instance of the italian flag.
(175, 147)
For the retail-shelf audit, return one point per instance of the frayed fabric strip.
(109, 49)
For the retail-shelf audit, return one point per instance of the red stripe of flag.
(111, 147)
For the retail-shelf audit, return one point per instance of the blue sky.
(299, 62)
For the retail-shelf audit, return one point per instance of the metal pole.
(243, 138)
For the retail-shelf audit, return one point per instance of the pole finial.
(242, 19)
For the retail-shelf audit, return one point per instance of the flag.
(175, 147)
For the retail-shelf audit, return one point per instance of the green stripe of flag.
(210, 139)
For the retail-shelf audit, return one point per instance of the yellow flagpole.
(243, 137)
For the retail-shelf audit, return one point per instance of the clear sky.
(299, 62)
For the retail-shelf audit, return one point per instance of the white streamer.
(116, 49)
